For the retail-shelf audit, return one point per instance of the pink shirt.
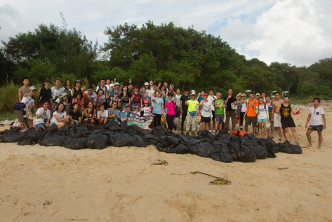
(170, 108)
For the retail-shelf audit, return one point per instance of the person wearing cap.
(158, 109)
(23, 90)
(206, 112)
(57, 90)
(192, 112)
(90, 96)
(66, 102)
(117, 88)
(219, 111)
(184, 107)
(262, 117)
(109, 95)
(147, 87)
(102, 85)
(137, 111)
(251, 115)
(146, 109)
(257, 96)
(171, 88)
(25, 116)
(77, 88)
(230, 103)
(286, 110)
(243, 109)
(269, 104)
(45, 95)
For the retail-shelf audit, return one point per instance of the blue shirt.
(157, 106)
(270, 107)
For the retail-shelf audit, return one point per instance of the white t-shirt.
(206, 110)
(46, 115)
(27, 100)
(60, 116)
(244, 107)
(57, 92)
(103, 115)
(177, 100)
(316, 116)
(92, 97)
(104, 89)
(262, 112)
(146, 111)
(211, 99)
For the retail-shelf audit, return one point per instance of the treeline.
(184, 57)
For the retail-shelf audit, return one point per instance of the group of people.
(190, 111)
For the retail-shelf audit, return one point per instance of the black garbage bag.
(204, 134)
(271, 145)
(222, 156)
(76, 143)
(203, 149)
(179, 149)
(51, 139)
(260, 152)
(246, 155)
(97, 141)
(11, 136)
(137, 141)
(120, 140)
(286, 147)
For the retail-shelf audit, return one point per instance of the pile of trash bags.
(222, 147)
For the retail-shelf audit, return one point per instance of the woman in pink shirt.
(170, 106)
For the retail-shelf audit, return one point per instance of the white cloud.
(292, 31)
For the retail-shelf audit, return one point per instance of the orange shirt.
(251, 110)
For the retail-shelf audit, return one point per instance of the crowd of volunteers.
(187, 111)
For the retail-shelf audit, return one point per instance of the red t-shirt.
(137, 98)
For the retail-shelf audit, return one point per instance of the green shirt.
(192, 105)
(220, 103)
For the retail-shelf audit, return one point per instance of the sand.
(120, 184)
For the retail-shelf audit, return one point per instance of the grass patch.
(7, 116)
(8, 97)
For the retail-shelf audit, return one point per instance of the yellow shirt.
(192, 105)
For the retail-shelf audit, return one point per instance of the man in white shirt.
(29, 104)
(43, 116)
(317, 122)
(56, 91)
(102, 85)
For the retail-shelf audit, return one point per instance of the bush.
(8, 97)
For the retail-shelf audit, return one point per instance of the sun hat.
(267, 125)
(146, 84)
(63, 95)
(116, 84)
(244, 95)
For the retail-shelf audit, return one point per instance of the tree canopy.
(182, 56)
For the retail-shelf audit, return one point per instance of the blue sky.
(292, 31)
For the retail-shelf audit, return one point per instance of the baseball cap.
(111, 85)
(205, 94)
(32, 88)
(117, 84)
(136, 107)
(171, 85)
(257, 94)
(146, 83)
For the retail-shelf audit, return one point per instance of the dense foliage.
(184, 57)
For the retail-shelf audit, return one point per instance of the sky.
(291, 31)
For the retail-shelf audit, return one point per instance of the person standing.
(269, 104)
(286, 110)
(136, 98)
(262, 117)
(211, 98)
(276, 115)
(230, 103)
(102, 85)
(23, 90)
(219, 111)
(56, 90)
(192, 112)
(45, 95)
(251, 115)
(171, 107)
(68, 89)
(206, 112)
(317, 122)
(158, 109)
(243, 109)
(184, 107)
(25, 118)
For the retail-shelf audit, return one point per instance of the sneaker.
(280, 139)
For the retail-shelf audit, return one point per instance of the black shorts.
(287, 124)
(318, 128)
(251, 120)
(205, 119)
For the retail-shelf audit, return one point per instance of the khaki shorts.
(277, 120)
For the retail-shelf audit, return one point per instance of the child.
(60, 117)
(24, 90)
(137, 111)
(170, 106)
(25, 116)
(102, 114)
(146, 109)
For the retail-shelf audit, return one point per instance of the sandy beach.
(120, 184)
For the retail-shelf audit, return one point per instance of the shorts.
(277, 120)
(261, 120)
(20, 115)
(220, 118)
(40, 125)
(318, 128)
(251, 120)
(205, 119)
(287, 124)
(213, 114)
